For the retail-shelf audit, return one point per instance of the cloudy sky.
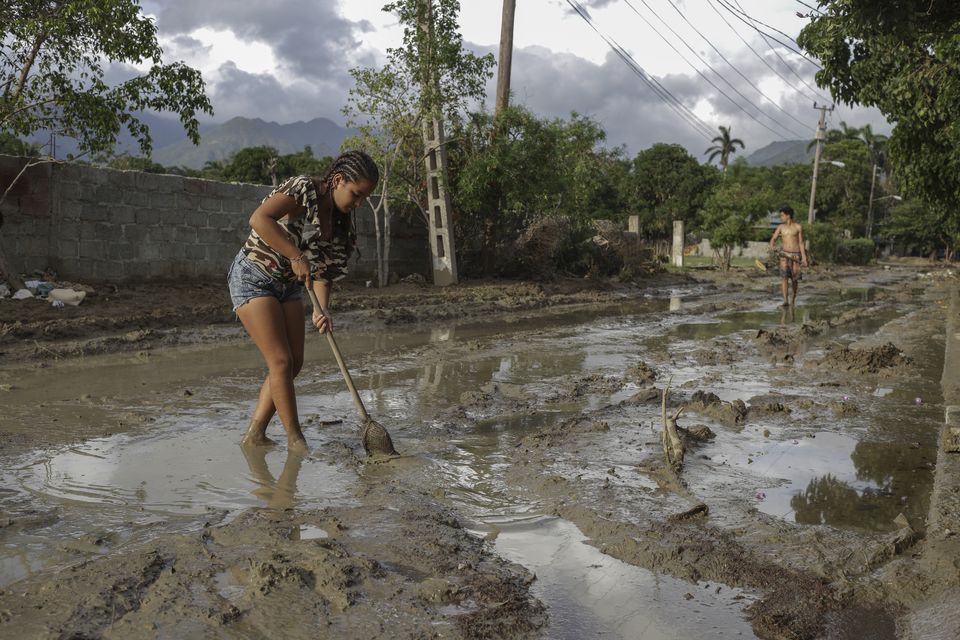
(287, 60)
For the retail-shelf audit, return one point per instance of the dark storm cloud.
(309, 37)
(554, 84)
(239, 93)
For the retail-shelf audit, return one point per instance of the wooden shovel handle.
(343, 366)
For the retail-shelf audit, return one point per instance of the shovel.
(376, 440)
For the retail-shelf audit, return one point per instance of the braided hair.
(352, 165)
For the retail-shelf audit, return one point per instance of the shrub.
(824, 240)
(856, 251)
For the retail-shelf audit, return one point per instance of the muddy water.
(179, 468)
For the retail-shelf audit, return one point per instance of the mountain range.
(782, 152)
(220, 142)
(171, 147)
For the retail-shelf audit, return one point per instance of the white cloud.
(288, 60)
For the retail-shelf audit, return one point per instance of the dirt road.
(532, 499)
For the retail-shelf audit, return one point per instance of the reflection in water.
(276, 493)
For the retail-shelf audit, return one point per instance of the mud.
(533, 498)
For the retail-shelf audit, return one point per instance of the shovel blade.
(376, 440)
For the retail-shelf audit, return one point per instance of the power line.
(752, 22)
(661, 92)
(730, 64)
(762, 58)
(773, 49)
(708, 80)
(808, 6)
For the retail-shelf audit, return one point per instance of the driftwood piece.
(673, 447)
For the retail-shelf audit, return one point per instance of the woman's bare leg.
(266, 320)
(265, 409)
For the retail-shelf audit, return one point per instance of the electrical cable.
(661, 92)
(708, 80)
(753, 22)
(766, 38)
(740, 73)
(764, 60)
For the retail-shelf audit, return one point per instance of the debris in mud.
(770, 408)
(842, 408)
(697, 511)
(697, 433)
(595, 383)
(863, 361)
(641, 373)
(644, 396)
(709, 404)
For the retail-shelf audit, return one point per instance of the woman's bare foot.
(251, 439)
(297, 445)
(256, 436)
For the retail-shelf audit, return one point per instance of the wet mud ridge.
(534, 497)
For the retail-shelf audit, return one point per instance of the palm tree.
(724, 148)
(845, 132)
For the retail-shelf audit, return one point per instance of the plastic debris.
(918, 400)
(67, 296)
(57, 303)
(22, 294)
(4, 291)
(760, 495)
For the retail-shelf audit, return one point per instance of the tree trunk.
(386, 243)
(377, 237)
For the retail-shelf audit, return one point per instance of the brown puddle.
(458, 400)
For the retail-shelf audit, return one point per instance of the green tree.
(843, 192)
(917, 228)
(431, 75)
(127, 162)
(52, 75)
(901, 57)
(256, 165)
(13, 146)
(724, 147)
(304, 163)
(519, 169)
(666, 183)
(729, 213)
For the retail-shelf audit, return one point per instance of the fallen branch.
(673, 447)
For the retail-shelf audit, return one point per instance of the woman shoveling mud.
(266, 278)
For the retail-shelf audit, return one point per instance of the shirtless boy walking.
(793, 253)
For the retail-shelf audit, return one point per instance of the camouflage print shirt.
(328, 256)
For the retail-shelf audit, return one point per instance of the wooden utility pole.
(436, 171)
(821, 134)
(506, 56)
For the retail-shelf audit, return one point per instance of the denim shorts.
(247, 281)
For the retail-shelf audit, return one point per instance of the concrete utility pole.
(506, 56)
(438, 198)
(821, 134)
(873, 182)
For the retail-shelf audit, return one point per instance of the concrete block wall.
(91, 224)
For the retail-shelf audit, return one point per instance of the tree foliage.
(729, 213)
(902, 57)
(666, 183)
(724, 146)
(431, 76)
(52, 72)
(521, 168)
